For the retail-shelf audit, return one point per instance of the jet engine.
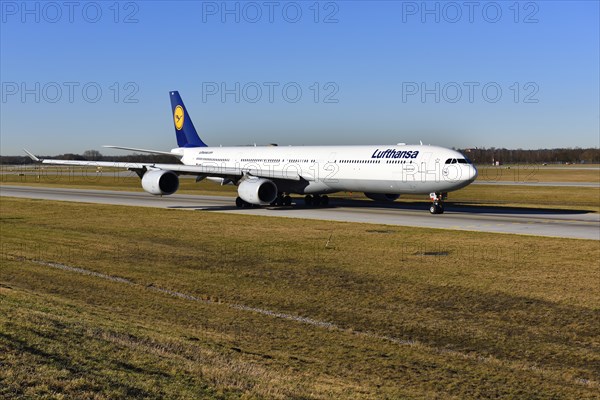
(382, 196)
(257, 191)
(160, 182)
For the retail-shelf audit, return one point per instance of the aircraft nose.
(472, 173)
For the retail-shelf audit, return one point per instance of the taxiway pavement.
(540, 222)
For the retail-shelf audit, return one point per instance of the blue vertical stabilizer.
(184, 128)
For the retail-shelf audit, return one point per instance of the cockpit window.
(458, 160)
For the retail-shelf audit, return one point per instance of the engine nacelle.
(159, 182)
(382, 196)
(257, 191)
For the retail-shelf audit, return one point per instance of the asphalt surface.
(541, 222)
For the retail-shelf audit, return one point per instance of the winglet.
(34, 158)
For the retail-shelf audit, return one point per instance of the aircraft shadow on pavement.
(460, 207)
(499, 209)
(416, 205)
(205, 208)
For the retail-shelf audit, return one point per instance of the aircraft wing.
(165, 153)
(198, 170)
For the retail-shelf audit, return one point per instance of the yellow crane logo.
(178, 117)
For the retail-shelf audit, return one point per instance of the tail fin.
(184, 128)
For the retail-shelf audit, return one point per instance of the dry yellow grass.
(177, 304)
(532, 173)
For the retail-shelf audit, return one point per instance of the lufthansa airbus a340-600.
(270, 174)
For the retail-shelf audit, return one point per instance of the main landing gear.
(316, 200)
(239, 203)
(282, 200)
(437, 207)
(285, 200)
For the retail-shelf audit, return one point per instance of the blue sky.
(490, 74)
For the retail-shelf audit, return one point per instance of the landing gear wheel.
(287, 201)
(279, 200)
(436, 208)
(325, 200)
(239, 203)
(316, 200)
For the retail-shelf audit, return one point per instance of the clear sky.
(77, 75)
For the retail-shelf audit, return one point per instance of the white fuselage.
(388, 169)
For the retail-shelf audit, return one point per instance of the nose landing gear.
(438, 206)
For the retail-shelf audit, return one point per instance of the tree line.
(540, 156)
(94, 155)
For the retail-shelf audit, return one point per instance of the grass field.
(109, 302)
(538, 174)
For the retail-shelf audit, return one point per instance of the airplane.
(269, 175)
